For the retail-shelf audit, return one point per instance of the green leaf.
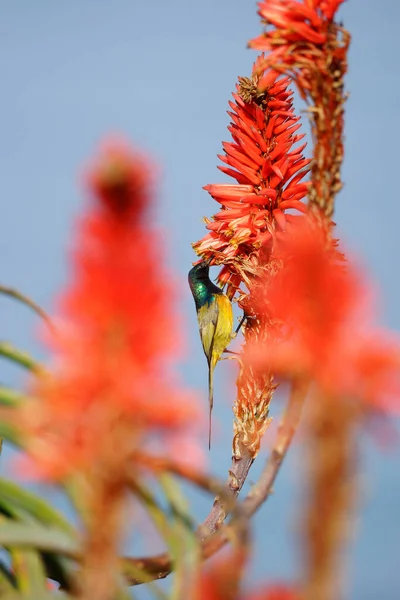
(25, 506)
(13, 496)
(48, 595)
(11, 398)
(155, 511)
(29, 572)
(7, 350)
(77, 490)
(33, 535)
(185, 546)
(11, 434)
(129, 569)
(7, 580)
(16, 295)
(60, 569)
(161, 522)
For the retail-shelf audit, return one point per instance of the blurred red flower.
(323, 316)
(121, 178)
(275, 592)
(220, 582)
(111, 388)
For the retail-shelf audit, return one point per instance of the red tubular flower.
(110, 389)
(269, 172)
(219, 583)
(120, 179)
(275, 592)
(295, 21)
(300, 40)
(323, 317)
(305, 42)
(269, 167)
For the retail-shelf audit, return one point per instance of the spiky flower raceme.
(322, 315)
(303, 23)
(268, 167)
(303, 40)
(109, 393)
(110, 387)
(324, 334)
(328, 343)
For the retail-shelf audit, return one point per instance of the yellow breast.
(215, 325)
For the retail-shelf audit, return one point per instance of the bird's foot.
(242, 320)
(233, 356)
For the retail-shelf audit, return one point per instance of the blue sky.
(162, 73)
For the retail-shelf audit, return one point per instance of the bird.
(215, 319)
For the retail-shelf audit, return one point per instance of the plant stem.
(159, 567)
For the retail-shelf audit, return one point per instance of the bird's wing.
(223, 333)
(208, 319)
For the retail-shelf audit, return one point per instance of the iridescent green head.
(203, 289)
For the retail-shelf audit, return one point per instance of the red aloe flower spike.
(109, 389)
(221, 581)
(328, 334)
(325, 335)
(110, 375)
(306, 43)
(268, 169)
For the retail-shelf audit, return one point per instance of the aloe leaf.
(129, 569)
(162, 524)
(33, 535)
(24, 359)
(10, 433)
(25, 506)
(15, 496)
(29, 572)
(48, 595)
(76, 488)
(26, 300)
(155, 511)
(185, 548)
(7, 580)
(60, 569)
(12, 398)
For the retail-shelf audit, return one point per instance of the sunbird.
(215, 317)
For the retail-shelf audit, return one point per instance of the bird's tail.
(211, 368)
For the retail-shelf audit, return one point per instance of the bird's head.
(200, 284)
(200, 271)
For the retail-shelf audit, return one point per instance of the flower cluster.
(220, 583)
(323, 318)
(299, 30)
(320, 314)
(305, 42)
(268, 169)
(110, 388)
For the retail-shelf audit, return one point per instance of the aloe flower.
(268, 167)
(110, 387)
(303, 40)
